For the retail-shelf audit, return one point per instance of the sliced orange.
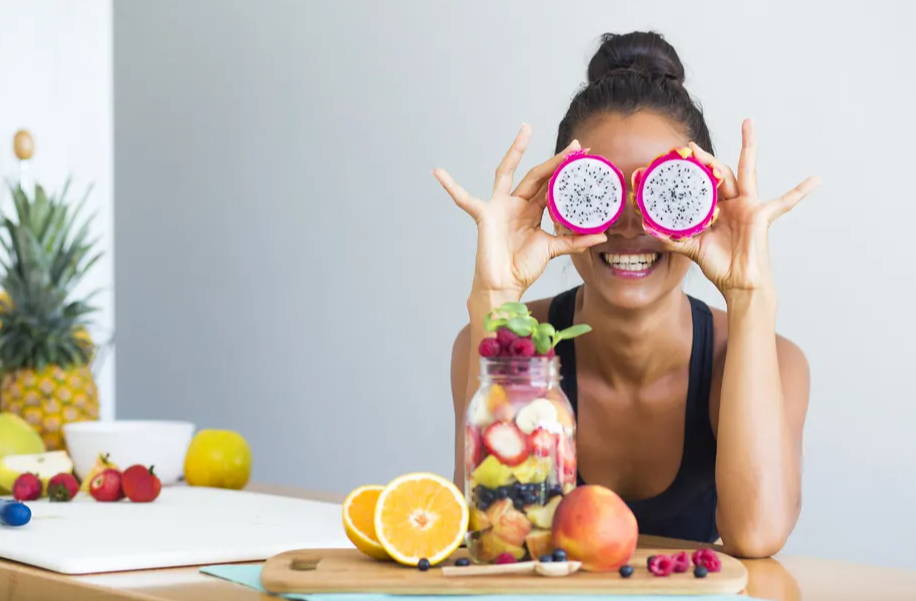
(359, 520)
(420, 515)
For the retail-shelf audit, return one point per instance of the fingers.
(747, 162)
(729, 187)
(506, 169)
(472, 206)
(535, 179)
(572, 244)
(786, 202)
(684, 246)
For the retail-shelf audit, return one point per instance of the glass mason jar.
(520, 457)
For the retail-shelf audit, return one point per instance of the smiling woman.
(693, 415)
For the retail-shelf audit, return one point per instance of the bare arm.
(762, 408)
(764, 393)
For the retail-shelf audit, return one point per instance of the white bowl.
(162, 444)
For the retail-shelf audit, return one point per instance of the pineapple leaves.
(46, 251)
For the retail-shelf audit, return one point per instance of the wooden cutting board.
(349, 571)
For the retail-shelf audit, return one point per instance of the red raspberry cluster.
(509, 344)
(664, 565)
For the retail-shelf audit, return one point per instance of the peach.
(490, 546)
(508, 523)
(593, 525)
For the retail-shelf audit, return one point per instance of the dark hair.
(633, 71)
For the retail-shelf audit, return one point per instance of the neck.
(630, 347)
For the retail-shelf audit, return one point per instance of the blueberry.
(518, 487)
(700, 572)
(462, 562)
(502, 492)
(545, 558)
(626, 571)
(530, 498)
(518, 504)
(423, 564)
(482, 505)
(485, 494)
(559, 555)
(555, 490)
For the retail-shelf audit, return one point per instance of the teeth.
(637, 262)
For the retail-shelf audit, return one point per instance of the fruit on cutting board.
(219, 458)
(13, 513)
(62, 487)
(420, 515)
(46, 378)
(27, 487)
(140, 483)
(44, 465)
(595, 527)
(102, 463)
(106, 486)
(542, 515)
(17, 437)
(359, 520)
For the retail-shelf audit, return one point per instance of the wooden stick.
(522, 567)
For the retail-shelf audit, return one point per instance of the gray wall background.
(288, 267)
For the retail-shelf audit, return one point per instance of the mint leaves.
(517, 318)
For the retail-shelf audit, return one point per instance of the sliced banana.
(539, 413)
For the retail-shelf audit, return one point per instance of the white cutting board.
(185, 526)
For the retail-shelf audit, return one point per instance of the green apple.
(17, 437)
(45, 465)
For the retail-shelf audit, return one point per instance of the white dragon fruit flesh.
(676, 195)
(586, 193)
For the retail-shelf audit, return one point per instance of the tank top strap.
(560, 315)
(700, 442)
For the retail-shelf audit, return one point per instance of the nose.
(629, 224)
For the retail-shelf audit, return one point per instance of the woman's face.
(630, 270)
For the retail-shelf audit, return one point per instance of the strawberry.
(106, 486)
(542, 442)
(27, 487)
(140, 484)
(506, 442)
(473, 447)
(566, 460)
(62, 487)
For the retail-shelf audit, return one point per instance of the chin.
(633, 279)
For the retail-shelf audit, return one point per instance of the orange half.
(359, 520)
(420, 515)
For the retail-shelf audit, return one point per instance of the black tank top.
(687, 508)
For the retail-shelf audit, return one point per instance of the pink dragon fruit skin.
(553, 192)
(699, 221)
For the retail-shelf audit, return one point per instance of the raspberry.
(681, 562)
(521, 347)
(661, 565)
(489, 347)
(505, 558)
(708, 559)
(505, 337)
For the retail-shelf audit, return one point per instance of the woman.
(693, 415)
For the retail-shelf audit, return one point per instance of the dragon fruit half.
(676, 194)
(585, 193)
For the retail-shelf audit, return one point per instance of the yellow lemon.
(219, 458)
(359, 520)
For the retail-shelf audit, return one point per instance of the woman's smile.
(631, 264)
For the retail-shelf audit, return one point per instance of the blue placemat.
(250, 575)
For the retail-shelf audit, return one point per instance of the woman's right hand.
(512, 248)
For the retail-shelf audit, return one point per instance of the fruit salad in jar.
(520, 439)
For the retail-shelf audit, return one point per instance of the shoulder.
(788, 352)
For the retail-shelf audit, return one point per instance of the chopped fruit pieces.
(478, 520)
(473, 447)
(542, 443)
(359, 520)
(62, 487)
(542, 516)
(505, 558)
(540, 543)
(491, 473)
(566, 462)
(506, 443)
(508, 523)
(419, 516)
(27, 487)
(661, 565)
(532, 470)
(490, 546)
(539, 413)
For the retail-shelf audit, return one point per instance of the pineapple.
(44, 348)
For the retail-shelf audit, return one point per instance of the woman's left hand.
(733, 252)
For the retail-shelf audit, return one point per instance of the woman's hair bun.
(644, 51)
